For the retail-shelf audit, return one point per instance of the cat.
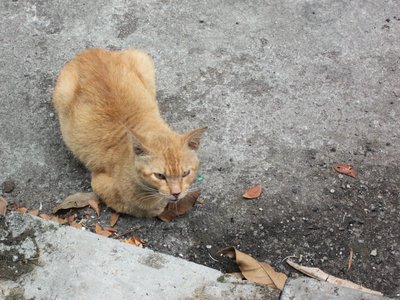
(110, 120)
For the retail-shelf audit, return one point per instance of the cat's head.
(166, 165)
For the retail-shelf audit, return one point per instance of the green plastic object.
(199, 178)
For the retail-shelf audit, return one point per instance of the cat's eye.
(159, 176)
(186, 173)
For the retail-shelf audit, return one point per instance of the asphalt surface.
(287, 89)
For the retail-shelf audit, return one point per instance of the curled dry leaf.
(34, 212)
(114, 219)
(253, 270)
(350, 260)
(253, 192)
(321, 275)
(345, 169)
(45, 216)
(77, 200)
(76, 225)
(95, 204)
(3, 206)
(110, 229)
(101, 231)
(134, 240)
(175, 209)
(22, 209)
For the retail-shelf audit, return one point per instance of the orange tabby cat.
(109, 117)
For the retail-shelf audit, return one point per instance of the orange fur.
(109, 118)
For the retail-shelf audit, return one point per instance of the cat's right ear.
(137, 146)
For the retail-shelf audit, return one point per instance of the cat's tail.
(65, 88)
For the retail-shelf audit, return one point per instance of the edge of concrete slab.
(305, 288)
(42, 260)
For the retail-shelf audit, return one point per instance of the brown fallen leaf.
(3, 206)
(114, 218)
(101, 231)
(350, 260)
(22, 209)
(345, 169)
(95, 204)
(321, 275)
(175, 209)
(253, 192)
(34, 212)
(134, 240)
(110, 229)
(71, 219)
(76, 225)
(77, 200)
(45, 216)
(253, 270)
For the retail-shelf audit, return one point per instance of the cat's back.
(104, 78)
(96, 94)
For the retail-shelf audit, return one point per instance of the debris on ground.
(317, 273)
(345, 169)
(253, 270)
(134, 240)
(179, 208)
(253, 192)
(3, 206)
(114, 219)
(77, 200)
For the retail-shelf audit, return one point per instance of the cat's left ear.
(192, 138)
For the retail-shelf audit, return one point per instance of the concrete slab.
(42, 260)
(304, 288)
(288, 88)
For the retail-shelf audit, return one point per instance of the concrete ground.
(287, 89)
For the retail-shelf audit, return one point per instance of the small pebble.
(340, 176)
(260, 209)
(374, 252)
(180, 254)
(332, 191)
(8, 186)
(51, 115)
(208, 246)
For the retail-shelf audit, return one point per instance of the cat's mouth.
(172, 198)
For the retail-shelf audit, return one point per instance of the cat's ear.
(192, 138)
(137, 146)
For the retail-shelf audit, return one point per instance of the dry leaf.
(175, 209)
(253, 270)
(114, 218)
(61, 221)
(350, 261)
(95, 204)
(71, 219)
(77, 200)
(3, 206)
(101, 231)
(22, 209)
(253, 192)
(321, 275)
(76, 225)
(45, 216)
(110, 229)
(345, 170)
(34, 212)
(134, 240)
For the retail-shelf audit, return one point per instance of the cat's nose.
(176, 195)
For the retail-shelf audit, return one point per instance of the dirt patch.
(18, 255)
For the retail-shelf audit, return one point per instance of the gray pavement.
(287, 89)
(42, 260)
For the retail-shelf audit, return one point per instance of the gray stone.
(304, 288)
